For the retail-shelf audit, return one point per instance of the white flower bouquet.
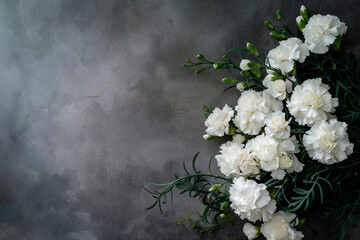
(292, 139)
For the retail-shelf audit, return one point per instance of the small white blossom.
(244, 64)
(277, 88)
(240, 86)
(328, 142)
(311, 102)
(277, 126)
(218, 121)
(289, 51)
(251, 200)
(280, 227)
(299, 19)
(250, 231)
(321, 31)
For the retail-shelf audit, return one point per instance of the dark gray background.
(94, 104)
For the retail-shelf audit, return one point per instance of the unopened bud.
(277, 35)
(229, 80)
(304, 13)
(251, 48)
(240, 87)
(300, 22)
(278, 15)
(232, 130)
(209, 137)
(244, 64)
(269, 25)
(224, 215)
(244, 73)
(200, 57)
(218, 65)
(199, 70)
(224, 205)
(214, 187)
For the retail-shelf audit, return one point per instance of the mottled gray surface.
(94, 104)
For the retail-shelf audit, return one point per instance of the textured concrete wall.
(94, 104)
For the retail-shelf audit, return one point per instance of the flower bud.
(214, 187)
(224, 195)
(304, 13)
(200, 57)
(244, 64)
(252, 49)
(240, 87)
(277, 35)
(218, 65)
(224, 215)
(209, 137)
(251, 231)
(199, 70)
(278, 15)
(224, 205)
(232, 130)
(225, 57)
(300, 22)
(269, 25)
(229, 80)
(244, 73)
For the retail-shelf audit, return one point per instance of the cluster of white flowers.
(280, 227)
(262, 139)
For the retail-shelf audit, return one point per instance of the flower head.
(218, 121)
(277, 126)
(280, 227)
(311, 102)
(275, 155)
(251, 200)
(250, 231)
(321, 31)
(328, 142)
(289, 51)
(252, 109)
(235, 161)
(277, 88)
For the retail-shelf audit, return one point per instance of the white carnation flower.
(289, 51)
(251, 200)
(321, 31)
(250, 231)
(274, 155)
(311, 102)
(236, 161)
(328, 142)
(280, 227)
(252, 109)
(265, 149)
(277, 88)
(276, 125)
(218, 121)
